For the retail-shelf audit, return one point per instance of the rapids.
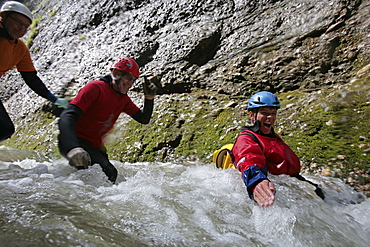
(48, 203)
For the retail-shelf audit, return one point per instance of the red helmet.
(126, 64)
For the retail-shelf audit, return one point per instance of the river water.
(48, 203)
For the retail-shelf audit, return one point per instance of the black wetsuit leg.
(98, 156)
(6, 124)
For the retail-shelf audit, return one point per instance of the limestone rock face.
(240, 46)
(220, 47)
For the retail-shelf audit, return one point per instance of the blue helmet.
(263, 98)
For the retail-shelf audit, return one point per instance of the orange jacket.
(14, 53)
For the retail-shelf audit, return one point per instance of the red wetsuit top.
(101, 106)
(269, 151)
(255, 155)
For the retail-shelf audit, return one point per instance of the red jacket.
(271, 152)
(101, 106)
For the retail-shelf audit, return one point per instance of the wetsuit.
(91, 115)
(256, 154)
(13, 52)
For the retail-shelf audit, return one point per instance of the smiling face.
(123, 82)
(15, 24)
(266, 116)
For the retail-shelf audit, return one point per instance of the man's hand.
(264, 193)
(150, 89)
(79, 158)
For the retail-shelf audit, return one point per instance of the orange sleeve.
(14, 53)
(25, 63)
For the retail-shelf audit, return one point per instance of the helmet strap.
(115, 84)
(117, 79)
(254, 112)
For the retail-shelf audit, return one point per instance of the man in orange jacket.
(16, 19)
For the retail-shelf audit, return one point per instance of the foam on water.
(169, 204)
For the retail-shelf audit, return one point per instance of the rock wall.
(239, 46)
(208, 58)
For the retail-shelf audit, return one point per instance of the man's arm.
(143, 116)
(67, 127)
(251, 161)
(35, 83)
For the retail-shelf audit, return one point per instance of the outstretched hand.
(264, 193)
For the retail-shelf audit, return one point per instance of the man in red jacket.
(93, 112)
(259, 150)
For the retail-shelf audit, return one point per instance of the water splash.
(169, 204)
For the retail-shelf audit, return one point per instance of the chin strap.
(117, 80)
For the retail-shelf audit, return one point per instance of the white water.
(49, 203)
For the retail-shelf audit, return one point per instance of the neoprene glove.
(79, 158)
(150, 89)
(61, 103)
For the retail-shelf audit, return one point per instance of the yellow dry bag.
(222, 157)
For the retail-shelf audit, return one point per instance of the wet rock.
(341, 157)
(231, 104)
(327, 172)
(364, 70)
(350, 180)
(329, 123)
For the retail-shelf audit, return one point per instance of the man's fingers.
(264, 193)
(152, 86)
